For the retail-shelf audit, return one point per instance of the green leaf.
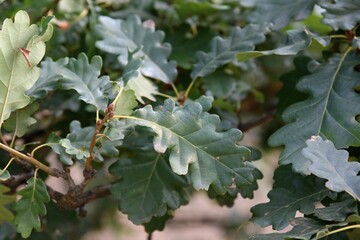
(337, 211)
(126, 103)
(21, 49)
(147, 183)
(304, 228)
(329, 111)
(188, 8)
(223, 50)
(5, 214)
(219, 84)
(158, 223)
(80, 153)
(4, 175)
(49, 77)
(119, 36)
(331, 164)
(54, 142)
(344, 14)
(31, 206)
(83, 77)
(285, 202)
(195, 147)
(142, 87)
(297, 40)
(20, 120)
(281, 12)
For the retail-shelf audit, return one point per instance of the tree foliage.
(152, 99)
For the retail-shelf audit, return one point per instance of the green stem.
(38, 147)
(7, 165)
(166, 96)
(118, 97)
(339, 230)
(175, 90)
(189, 88)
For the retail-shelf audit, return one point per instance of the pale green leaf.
(297, 40)
(284, 203)
(126, 103)
(341, 14)
(31, 207)
(329, 111)
(5, 213)
(21, 49)
(80, 153)
(331, 164)
(83, 77)
(223, 50)
(119, 36)
(281, 12)
(196, 147)
(143, 88)
(20, 120)
(54, 142)
(148, 183)
(4, 175)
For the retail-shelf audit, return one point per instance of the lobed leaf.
(344, 14)
(331, 164)
(281, 12)
(5, 213)
(148, 187)
(119, 36)
(329, 111)
(223, 50)
(31, 207)
(337, 211)
(21, 49)
(195, 147)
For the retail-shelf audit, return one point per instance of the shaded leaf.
(31, 207)
(119, 36)
(304, 228)
(20, 120)
(194, 145)
(147, 183)
(223, 50)
(284, 203)
(158, 223)
(219, 84)
(329, 111)
(344, 14)
(5, 214)
(281, 12)
(337, 211)
(188, 8)
(331, 164)
(83, 76)
(16, 74)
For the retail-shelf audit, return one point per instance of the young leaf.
(126, 103)
(31, 207)
(195, 147)
(284, 203)
(331, 108)
(342, 14)
(147, 183)
(223, 50)
(331, 164)
(20, 120)
(281, 12)
(83, 76)
(142, 87)
(18, 70)
(118, 36)
(54, 142)
(80, 153)
(5, 214)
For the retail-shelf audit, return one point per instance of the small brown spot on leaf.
(26, 54)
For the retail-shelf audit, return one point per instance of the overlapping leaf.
(5, 213)
(148, 187)
(284, 203)
(223, 50)
(118, 36)
(20, 120)
(281, 12)
(331, 164)
(331, 108)
(337, 211)
(31, 207)
(21, 49)
(341, 14)
(195, 147)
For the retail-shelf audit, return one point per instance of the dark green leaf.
(341, 14)
(195, 147)
(158, 223)
(337, 211)
(331, 164)
(188, 8)
(148, 183)
(284, 203)
(219, 84)
(329, 111)
(281, 12)
(118, 36)
(223, 50)
(5, 214)
(31, 207)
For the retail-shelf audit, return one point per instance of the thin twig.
(258, 121)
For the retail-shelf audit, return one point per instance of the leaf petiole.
(339, 230)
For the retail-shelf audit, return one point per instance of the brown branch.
(258, 121)
(16, 180)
